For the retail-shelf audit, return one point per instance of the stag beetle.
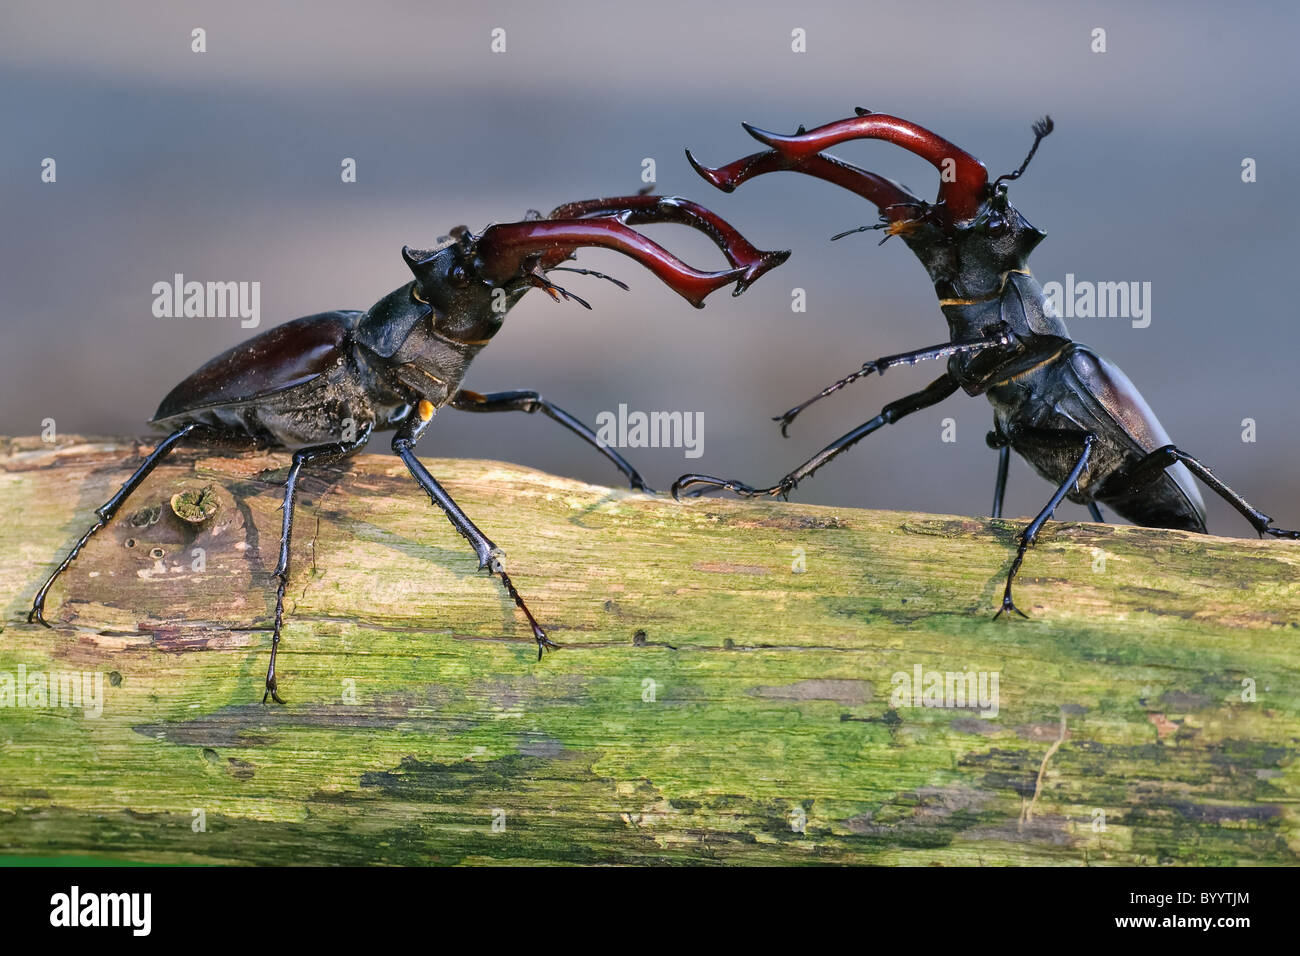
(324, 383)
(1072, 414)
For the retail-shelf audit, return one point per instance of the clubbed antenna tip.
(1041, 128)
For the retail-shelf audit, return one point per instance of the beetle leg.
(1160, 459)
(1000, 484)
(311, 454)
(526, 401)
(489, 555)
(998, 336)
(1095, 511)
(932, 394)
(104, 514)
(1030, 534)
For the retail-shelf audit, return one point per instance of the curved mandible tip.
(723, 177)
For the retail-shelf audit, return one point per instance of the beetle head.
(966, 239)
(971, 259)
(446, 278)
(470, 281)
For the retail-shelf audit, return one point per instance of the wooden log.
(730, 686)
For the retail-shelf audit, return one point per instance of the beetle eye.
(458, 276)
(996, 225)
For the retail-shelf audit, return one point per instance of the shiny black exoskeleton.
(1073, 415)
(322, 385)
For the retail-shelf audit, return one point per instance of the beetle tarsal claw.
(736, 487)
(272, 691)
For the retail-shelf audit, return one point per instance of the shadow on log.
(738, 682)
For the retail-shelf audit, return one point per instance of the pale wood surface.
(771, 688)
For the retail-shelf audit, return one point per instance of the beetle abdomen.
(1080, 391)
(1170, 501)
(329, 408)
(286, 356)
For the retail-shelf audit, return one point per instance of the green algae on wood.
(727, 690)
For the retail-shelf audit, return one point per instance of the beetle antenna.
(893, 227)
(1041, 128)
(590, 272)
(554, 291)
(849, 232)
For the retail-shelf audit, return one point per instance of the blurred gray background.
(225, 166)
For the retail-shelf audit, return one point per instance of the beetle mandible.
(321, 385)
(1072, 414)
